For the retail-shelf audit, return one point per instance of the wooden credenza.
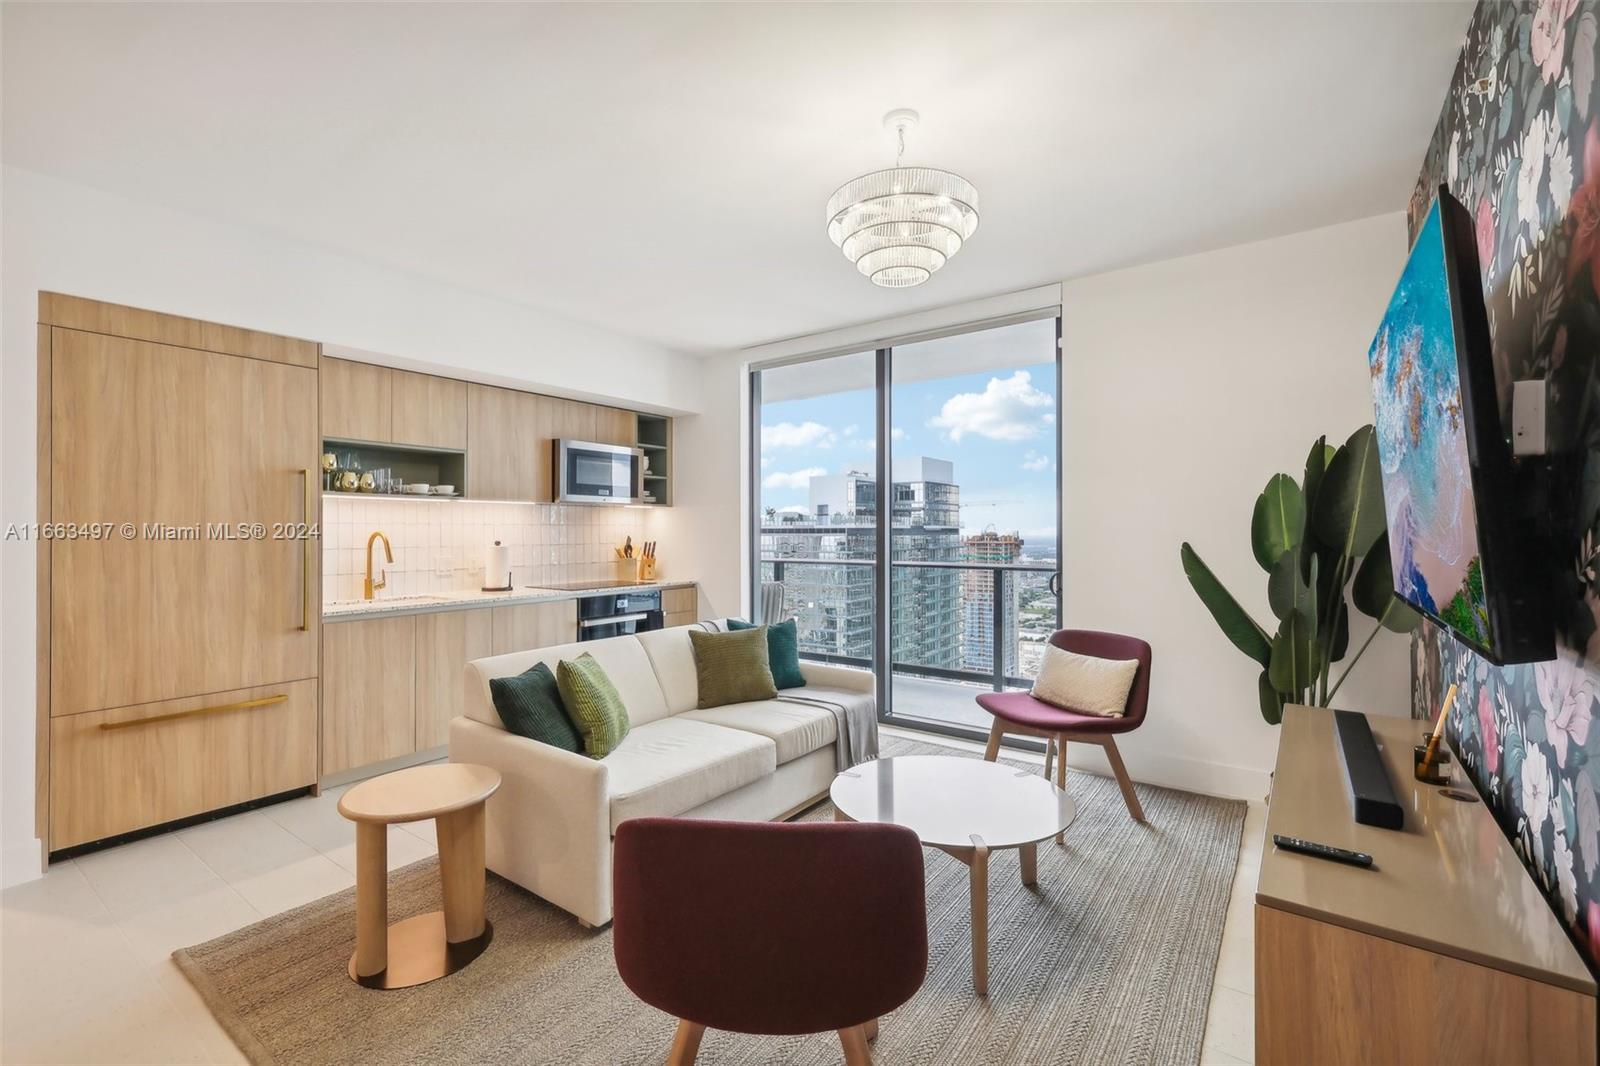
(1444, 952)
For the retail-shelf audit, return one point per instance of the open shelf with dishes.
(655, 440)
(362, 468)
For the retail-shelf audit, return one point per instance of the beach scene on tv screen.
(1422, 444)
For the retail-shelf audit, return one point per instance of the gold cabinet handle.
(306, 556)
(242, 705)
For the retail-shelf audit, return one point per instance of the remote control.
(1322, 851)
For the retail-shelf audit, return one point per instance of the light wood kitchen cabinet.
(505, 429)
(171, 440)
(428, 411)
(577, 420)
(680, 606)
(357, 401)
(118, 770)
(368, 698)
(523, 626)
(446, 641)
(615, 426)
(136, 323)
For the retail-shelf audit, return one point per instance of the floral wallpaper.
(1518, 143)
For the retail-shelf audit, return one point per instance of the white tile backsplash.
(439, 545)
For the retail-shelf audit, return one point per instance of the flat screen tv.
(1459, 553)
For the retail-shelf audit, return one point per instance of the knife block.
(644, 568)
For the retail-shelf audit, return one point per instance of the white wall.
(65, 237)
(704, 534)
(1186, 385)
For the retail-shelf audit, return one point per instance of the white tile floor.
(86, 974)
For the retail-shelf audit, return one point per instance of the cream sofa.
(550, 825)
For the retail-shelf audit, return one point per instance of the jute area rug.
(1109, 959)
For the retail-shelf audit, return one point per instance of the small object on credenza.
(1372, 799)
(1427, 755)
(1434, 770)
(1323, 851)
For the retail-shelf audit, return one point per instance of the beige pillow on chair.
(1085, 684)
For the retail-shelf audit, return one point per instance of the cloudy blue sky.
(997, 427)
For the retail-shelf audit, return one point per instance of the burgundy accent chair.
(770, 928)
(1019, 712)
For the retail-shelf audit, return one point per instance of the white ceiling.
(661, 170)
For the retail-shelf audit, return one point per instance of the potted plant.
(1323, 544)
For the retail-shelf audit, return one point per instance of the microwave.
(587, 472)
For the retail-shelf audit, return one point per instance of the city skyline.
(997, 428)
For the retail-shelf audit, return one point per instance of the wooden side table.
(427, 946)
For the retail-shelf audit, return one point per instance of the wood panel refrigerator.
(182, 626)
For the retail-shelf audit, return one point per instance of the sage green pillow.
(594, 704)
(732, 667)
(529, 705)
(783, 651)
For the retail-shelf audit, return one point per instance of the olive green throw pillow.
(529, 705)
(783, 651)
(594, 704)
(732, 667)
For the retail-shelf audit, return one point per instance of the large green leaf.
(1235, 622)
(1310, 487)
(1294, 663)
(1287, 591)
(1349, 514)
(1279, 521)
(1271, 700)
(1338, 638)
(1374, 583)
(1373, 591)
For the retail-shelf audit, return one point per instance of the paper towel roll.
(497, 567)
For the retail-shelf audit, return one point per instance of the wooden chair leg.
(996, 731)
(1123, 780)
(1049, 757)
(1061, 773)
(686, 1043)
(870, 1029)
(856, 1051)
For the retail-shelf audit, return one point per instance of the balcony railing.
(1002, 647)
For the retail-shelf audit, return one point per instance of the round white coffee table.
(967, 808)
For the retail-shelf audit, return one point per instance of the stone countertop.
(387, 606)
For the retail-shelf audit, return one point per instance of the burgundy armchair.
(769, 928)
(1019, 712)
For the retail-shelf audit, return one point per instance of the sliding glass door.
(974, 531)
(944, 582)
(816, 523)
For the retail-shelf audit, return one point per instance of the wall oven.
(619, 615)
(586, 472)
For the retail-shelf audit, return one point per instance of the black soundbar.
(1371, 792)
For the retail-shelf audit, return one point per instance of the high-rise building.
(832, 592)
(977, 595)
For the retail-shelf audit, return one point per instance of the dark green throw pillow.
(529, 705)
(783, 651)
(732, 667)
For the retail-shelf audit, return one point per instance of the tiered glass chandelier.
(899, 226)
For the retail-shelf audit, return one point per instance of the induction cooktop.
(590, 586)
